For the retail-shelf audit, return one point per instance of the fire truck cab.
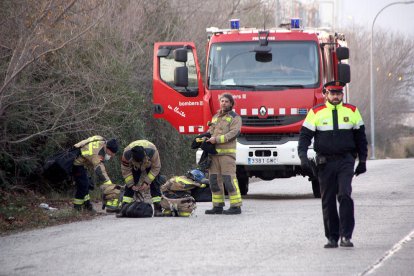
(275, 76)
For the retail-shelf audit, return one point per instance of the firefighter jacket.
(225, 126)
(92, 157)
(151, 162)
(337, 130)
(180, 183)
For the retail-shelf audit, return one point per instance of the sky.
(399, 17)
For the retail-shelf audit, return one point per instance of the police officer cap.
(112, 145)
(334, 86)
(138, 153)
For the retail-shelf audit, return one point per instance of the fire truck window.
(167, 66)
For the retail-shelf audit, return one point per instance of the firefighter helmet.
(196, 175)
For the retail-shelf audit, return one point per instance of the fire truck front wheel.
(243, 180)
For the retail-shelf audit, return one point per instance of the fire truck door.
(181, 106)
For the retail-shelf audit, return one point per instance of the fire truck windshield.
(288, 64)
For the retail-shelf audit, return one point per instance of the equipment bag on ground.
(58, 167)
(136, 209)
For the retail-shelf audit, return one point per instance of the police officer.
(94, 152)
(224, 129)
(339, 138)
(140, 167)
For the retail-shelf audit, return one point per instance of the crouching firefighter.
(176, 193)
(94, 151)
(140, 166)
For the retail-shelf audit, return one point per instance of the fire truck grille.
(264, 137)
(271, 121)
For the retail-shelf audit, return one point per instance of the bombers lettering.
(188, 103)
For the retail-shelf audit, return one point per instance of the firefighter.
(140, 166)
(224, 129)
(94, 152)
(339, 138)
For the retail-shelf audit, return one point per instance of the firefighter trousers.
(223, 174)
(81, 179)
(335, 179)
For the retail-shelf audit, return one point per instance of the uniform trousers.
(335, 179)
(155, 191)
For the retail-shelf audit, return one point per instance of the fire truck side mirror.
(163, 52)
(180, 55)
(181, 76)
(342, 53)
(344, 72)
(263, 57)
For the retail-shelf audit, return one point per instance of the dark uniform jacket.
(337, 129)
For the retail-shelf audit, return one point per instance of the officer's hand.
(361, 168)
(305, 164)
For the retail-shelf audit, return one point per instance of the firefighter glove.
(110, 191)
(306, 166)
(361, 168)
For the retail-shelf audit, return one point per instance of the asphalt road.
(279, 233)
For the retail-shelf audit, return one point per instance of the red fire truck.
(275, 76)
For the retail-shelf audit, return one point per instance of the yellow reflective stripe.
(112, 203)
(229, 119)
(221, 139)
(184, 214)
(203, 185)
(78, 201)
(129, 178)
(156, 199)
(151, 176)
(88, 151)
(226, 150)
(87, 197)
(235, 199)
(167, 212)
(108, 182)
(143, 143)
(218, 198)
(183, 180)
(127, 199)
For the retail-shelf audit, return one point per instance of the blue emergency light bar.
(295, 24)
(235, 24)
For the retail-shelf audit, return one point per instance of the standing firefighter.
(224, 129)
(339, 134)
(140, 168)
(94, 151)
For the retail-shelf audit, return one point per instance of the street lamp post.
(372, 94)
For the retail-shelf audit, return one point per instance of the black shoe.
(232, 211)
(88, 206)
(77, 207)
(214, 211)
(158, 210)
(346, 242)
(331, 244)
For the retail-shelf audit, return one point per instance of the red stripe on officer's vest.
(350, 106)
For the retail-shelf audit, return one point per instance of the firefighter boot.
(214, 211)
(158, 210)
(232, 211)
(88, 206)
(77, 207)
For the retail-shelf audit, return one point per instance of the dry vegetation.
(74, 68)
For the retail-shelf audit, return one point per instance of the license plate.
(261, 160)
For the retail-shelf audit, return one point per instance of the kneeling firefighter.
(176, 193)
(140, 166)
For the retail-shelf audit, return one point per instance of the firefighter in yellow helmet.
(140, 167)
(94, 152)
(224, 129)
